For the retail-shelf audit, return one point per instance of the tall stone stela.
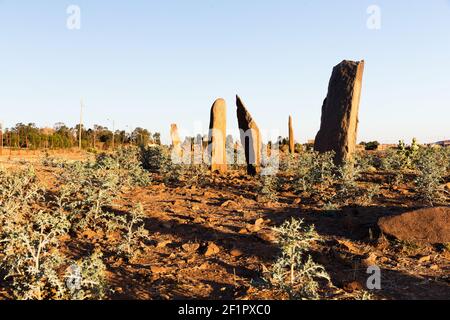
(291, 137)
(176, 142)
(250, 138)
(217, 136)
(339, 122)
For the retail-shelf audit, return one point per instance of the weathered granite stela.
(291, 137)
(250, 137)
(176, 141)
(338, 127)
(217, 136)
(339, 122)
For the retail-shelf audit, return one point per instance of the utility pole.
(113, 136)
(1, 138)
(10, 150)
(81, 121)
(113, 133)
(95, 133)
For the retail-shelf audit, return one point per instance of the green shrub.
(347, 175)
(295, 273)
(315, 172)
(372, 145)
(194, 174)
(269, 186)
(157, 159)
(30, 238)
(431, 171)
(126, 163)
(133, 231)
(402, 157)
(86, 278)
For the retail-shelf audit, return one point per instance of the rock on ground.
(430, 225)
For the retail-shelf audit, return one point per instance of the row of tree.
(29, 136)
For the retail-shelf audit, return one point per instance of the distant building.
(445, 143)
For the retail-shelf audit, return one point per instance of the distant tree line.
(371, 145)
(29, 136)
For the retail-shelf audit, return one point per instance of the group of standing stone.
(338, 129)
(249, 132)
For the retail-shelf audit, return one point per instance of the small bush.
(157, 159)
(195, 174)
(431, 171)
(295, 273)
(347, 175)
(33, 222)
(32, 259)
(372, 145)
(269, 186)
(126, 163)
(134, 231)
(53, 162)
(367, 195)
(85, 279)
(315, 172)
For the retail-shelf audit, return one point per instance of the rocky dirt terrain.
(214, 239)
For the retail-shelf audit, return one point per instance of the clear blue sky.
(150, 63)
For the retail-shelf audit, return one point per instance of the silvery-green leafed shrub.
(85, 279)
(30, 239)
(18, 191)
(157, 159)
(126, 162)
(269, 186)
(133, 230)
(89, 191)
(315, 171)
(295, 273)
(347, 176)
(431, 171)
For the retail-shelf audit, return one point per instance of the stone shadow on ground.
(353, 223)
(350, 223)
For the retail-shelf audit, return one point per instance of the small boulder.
(229, 204)
(370, 259)
(429, 225)
(190, 247)
(212, 249)
(158, 269)
(425, 259)
(353, 286)
(236, 252)
(267, 236)
(163, 244)
(257, 226)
